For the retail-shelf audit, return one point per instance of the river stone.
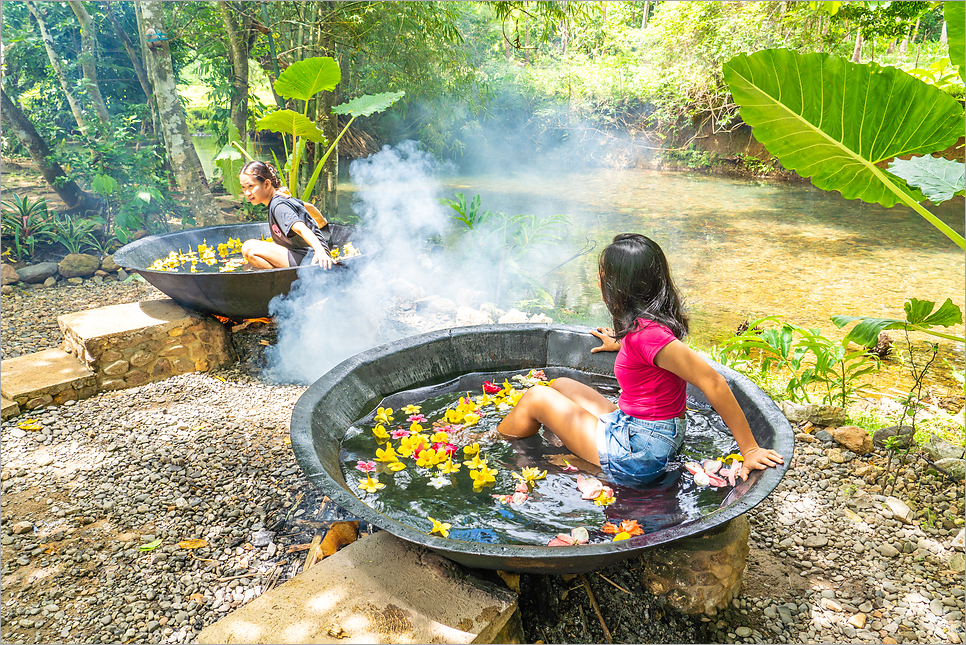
(826, 415)
(466, 317)
(542, 319)
(443, 306)
(51, 281)
(955, 468)
(700, 574)
(513, 316)
(794, 412)
(108, 264)
(900, 510)
(815, 541)
(938, 449)
(8, 275)
(79, 265)
(36, 273)
(956, 562)
(854, 438)
(959, 542)
(905, 434)
(22, 527)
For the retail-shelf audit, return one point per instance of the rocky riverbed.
(96, 484)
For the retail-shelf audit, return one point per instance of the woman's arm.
(322, 256)
(680, 359)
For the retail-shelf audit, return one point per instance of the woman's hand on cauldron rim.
(323, 259)
(606, 337)
(759, 459)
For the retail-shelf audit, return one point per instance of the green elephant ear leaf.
(833, 120)
(306, 78)
(955, 15)
(368, 104)
(289, 122)
(939, 179)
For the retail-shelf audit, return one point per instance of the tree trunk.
(74, 198)
(274, 56)
(328, 184)
(88, 59)
(152, 103)
(181, 152)
(857, 52)
(238, 46)
(129, 48)
(647, 6)
(943, 38)
(58, 67)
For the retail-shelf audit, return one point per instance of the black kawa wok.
(236, 294)
(353, 388)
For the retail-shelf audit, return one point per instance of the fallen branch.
(615, 584)
(593, 603)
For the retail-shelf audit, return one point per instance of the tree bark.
(238, 46)
(647, 6)
(73, 196)
(129, 48)
(857, 52)
(184, 160)
(328, 184)
(88, 59)
(58, 67)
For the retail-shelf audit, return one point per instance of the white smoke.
(331, 315)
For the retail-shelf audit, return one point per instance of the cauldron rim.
(511, 557)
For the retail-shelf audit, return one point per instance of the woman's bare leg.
(265, 255)
(549, 406)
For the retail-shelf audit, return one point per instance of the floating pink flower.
(399, 434)
(448, 448)
(416, 418)
(366, 466)
(569, 467)
(491, 388)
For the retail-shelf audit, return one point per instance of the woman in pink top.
(633, 441)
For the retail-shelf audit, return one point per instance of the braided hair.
(262, 171)
(635, 281)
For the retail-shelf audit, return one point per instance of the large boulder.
(79, 265)
(826, 415)
(854, 438)
(938, 449)
(37, 272)
(904, 434)
(8, 275)
(108, 264)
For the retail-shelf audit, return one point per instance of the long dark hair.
(636, 283)
(261, 170)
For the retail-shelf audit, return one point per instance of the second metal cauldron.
(358, 384)
(238, 295)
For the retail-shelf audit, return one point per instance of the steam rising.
(331, 315)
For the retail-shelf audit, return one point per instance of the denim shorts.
(635, 451)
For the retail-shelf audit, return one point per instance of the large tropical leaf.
(306, 78)
(919, 317)
(938, 179)
(289, 122)
(833, 120)
(368, 104)
(230, 161)
(955, 16)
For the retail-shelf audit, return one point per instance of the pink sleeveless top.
(647, 391)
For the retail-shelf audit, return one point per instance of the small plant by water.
(26, 224)
(816, 365)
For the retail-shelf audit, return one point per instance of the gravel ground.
(206, 456)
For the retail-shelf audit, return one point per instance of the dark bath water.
(555, 505)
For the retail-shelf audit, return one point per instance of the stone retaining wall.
(146, 342)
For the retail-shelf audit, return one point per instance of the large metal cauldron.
(237, 294)
(358, 384)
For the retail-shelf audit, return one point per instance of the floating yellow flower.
(428, 457)
(440, 527)
(454, 416)
(370, 485)
(484, 400)
(381, 434)
(476, 462)
(411, 409)
(387, 455)
(733, 457)
(471, 450)
(604, 499)
(384, 415)
(622, 536)
(396, 466)
(482, 477)
(440, 436)
(449, 467)
(530, 475)
(470, 419)
(415, 428)
(334, 252)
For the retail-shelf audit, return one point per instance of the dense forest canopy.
(113, 89)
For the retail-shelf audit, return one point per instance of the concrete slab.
(120, 319)
(379, 589)
(50, 376)
(8, 408)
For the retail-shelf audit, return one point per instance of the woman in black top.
(294, 231)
